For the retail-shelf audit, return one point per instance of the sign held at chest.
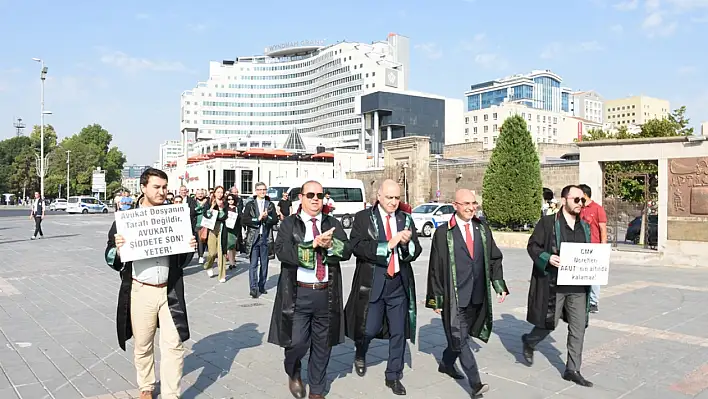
(584, 264)
(154, 231)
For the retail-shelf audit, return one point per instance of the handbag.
(203, 234)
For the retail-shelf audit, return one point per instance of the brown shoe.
(316, 396)
(296, 387)
(146, 395)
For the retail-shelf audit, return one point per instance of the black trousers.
(38, 226)
(466, 316)
(310, 332)
(393, 304)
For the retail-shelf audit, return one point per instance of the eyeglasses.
(577, 200)
(312, 195)
(467, 204)
(231, 200)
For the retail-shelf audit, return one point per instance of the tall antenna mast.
(19, 126)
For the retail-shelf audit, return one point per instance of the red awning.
(225, 153)
(266, 152)
(324, 155)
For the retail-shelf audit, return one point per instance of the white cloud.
(687, 5)
(590, 46)
(477, 43)
(552, 50)
(491, 61)
(627, 5)
(652, 5)
(619, 29)
(687, 70)
(142, 16)
(700, 20)
(654, 25)
(430, 50)
(558, 49)
(130, 64)
(196, 27)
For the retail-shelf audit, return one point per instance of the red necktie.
(469, 240)
(320, 271)
(392, 262)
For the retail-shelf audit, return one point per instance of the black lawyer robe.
(175, 290)
(442, 281)
(293, 252)
(370, 253)
(544, 242)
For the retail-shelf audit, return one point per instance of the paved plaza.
(58, 339)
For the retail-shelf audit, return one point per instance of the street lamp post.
(42, 77)
(437, 179)
(67, 175)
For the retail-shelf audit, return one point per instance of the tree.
(50, 138)
(9, 149)
(512, 187)
(680, 122)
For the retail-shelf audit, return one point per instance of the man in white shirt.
(152, 291)
(329, 204)
(307, 314)
(382, 302)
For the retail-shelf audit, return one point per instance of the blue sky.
(124, 64)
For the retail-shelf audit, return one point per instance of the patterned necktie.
(469, 240)
(320, 271)
(392, 262)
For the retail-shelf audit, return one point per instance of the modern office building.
(587, 105)
(635, 110)
(130, 171)
(170, 150)
(391, 114)
(704, 129)
(539, 89)
(545, 126)
(307, 86)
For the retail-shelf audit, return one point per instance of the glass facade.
(473, 102)
(547, 86)
(494, 97)
(521, 92)
(409, 116)
(565, 102)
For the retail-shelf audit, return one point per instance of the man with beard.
(382, 303)
(548, 302)
(307, 314)
(463, 260)
(152, 292)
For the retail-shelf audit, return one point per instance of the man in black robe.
(382, 301)
(152, 292)
(307, 314)
(548, 302)
(464, 259)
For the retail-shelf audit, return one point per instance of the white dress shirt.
(462, 225)
(306, 275)
(153, 271)
(394, 231)
(261, 208)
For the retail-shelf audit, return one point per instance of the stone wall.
(421, 173)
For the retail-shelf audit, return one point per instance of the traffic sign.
(98, 181)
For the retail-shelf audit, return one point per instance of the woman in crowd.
(216, 210)
(229, 239)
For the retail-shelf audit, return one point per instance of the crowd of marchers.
(310, 315)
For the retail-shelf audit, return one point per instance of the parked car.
(58, 204)
(634, 229)
(427, 217)
(85, 204)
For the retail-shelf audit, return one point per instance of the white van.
(85, 204)
(348, 196)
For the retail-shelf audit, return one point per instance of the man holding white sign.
(548, 300)
(149, 246)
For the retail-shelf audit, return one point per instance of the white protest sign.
(231, 220)
(209, 223)
(584, 264)
(154, 231)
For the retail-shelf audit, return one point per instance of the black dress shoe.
(479, 389)
(396, 387)
(594, 308)
(527, 351)
(451, 371)
(360, 366)
(296, 387)
(574, 376)
(262, 291)
(254, 294)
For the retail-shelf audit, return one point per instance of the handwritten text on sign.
(584, 264)
(154, 231)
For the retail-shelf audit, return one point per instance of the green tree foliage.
(512, 188)
(90, 148)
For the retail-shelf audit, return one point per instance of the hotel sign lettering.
(303, 43)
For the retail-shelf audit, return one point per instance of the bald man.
(459, 286)
(382, 300)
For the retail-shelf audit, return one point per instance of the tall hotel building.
(307, 87)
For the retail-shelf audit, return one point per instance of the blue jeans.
(594, 294)
(259, 250)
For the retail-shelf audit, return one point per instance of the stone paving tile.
(58, 340)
